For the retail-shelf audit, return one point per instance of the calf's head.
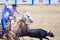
(50, 34)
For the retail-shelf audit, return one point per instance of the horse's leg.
(13, 35)
(9, 35)
(11, 38)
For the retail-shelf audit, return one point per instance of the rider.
(6, 13)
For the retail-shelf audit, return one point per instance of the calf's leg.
(46, 38)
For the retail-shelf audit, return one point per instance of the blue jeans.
(3, 21)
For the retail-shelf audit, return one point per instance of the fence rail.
(30, 2)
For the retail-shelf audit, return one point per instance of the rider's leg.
(3, 26)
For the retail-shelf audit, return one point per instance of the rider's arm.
(17, 11)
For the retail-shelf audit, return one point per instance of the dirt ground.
(44, 16)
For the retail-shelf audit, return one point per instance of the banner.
(58, 0)
(7, 0)
(23, 0)
(41, 2)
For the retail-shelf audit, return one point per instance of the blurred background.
(45, 14)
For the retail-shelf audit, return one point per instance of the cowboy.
(13, 9)
(7, 14)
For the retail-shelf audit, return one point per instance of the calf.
(37, 33)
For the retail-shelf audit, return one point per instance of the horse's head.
(27, 17)
(50, 34)
(30, 19)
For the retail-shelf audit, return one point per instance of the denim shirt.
(5, 12)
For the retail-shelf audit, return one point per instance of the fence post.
(32, 2)
(15, 1)
(49, 1)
